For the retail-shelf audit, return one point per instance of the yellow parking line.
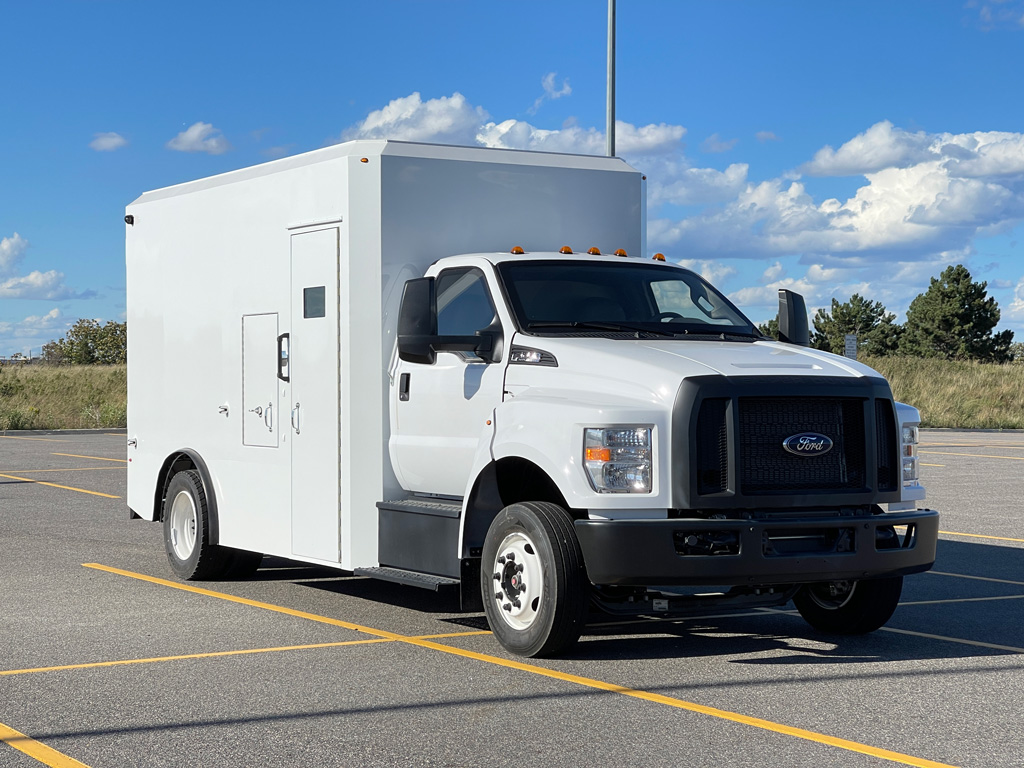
(960, 640)
(977, 578)
(932, 465)
(980, 536)
(97, 458)
(63, 487)
(972, 455)
(656, 698)
(217, 654)
(951, 600)
(40, 439)
(63, 469)
(37, 750)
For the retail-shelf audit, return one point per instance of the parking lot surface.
(107, 660)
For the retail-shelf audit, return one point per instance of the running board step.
(409, 578)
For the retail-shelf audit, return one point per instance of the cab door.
(442, 410)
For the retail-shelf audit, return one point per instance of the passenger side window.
(463, 302)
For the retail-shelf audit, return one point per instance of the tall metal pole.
(610, 122)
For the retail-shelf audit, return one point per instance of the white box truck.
(387, 358)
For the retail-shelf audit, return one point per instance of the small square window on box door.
(314, 302)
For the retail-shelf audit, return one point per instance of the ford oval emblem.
(808, 444)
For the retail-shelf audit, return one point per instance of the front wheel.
(533, 580)
(849, 607)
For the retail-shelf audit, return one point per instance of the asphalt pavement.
(107, 660)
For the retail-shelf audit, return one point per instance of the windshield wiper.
(587, 325)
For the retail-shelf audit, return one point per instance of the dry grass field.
(63, 397)
(957, 395)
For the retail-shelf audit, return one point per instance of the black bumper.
(754, 552)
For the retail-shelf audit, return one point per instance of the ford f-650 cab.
(415, 363)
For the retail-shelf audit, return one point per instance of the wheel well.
(179, 462)
(503, 482)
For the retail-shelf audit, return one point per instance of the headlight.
(618, 459)
(909, 455)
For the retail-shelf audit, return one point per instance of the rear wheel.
(849, 607)
(187, 535)
(533, 580)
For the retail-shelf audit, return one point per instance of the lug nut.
(501, 560)
(517, 604)
(498, 596)
(511, 557)
(507, 607)
(519, 567)
(497, 577)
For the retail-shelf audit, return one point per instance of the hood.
(651, 371)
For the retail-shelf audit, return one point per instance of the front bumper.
(753, 552)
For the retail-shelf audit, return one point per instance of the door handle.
(296, 418)
(403, 387)
(268, 417)
(283, 344)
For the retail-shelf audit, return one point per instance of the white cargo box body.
(308, 255)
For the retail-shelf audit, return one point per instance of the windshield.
(557, 297)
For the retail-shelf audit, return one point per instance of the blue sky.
(831, 148)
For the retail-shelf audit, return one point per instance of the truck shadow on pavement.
(972, 605)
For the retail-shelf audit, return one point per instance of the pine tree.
(954, 320)
(876, 332)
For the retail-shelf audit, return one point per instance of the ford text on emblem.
(808, 444)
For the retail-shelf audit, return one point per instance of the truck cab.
(627, 412)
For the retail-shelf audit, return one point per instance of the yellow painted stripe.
(958, 600)
(932, 465)
(979, 536)
(217, 654)
(39, 439)
(976, 643)
(37, 750)
(62, 469)
(972, 455)
(63, 487)
(976, 578)
(601, 685)
(97, 458)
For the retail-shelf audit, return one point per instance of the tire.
(533, 580)
(849, 607)
(187, 531)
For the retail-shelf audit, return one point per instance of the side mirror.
(793, 319)
(417, 321)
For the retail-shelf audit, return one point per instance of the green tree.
(89, 343)
(876, 332)
(954, 319)
(771, 328)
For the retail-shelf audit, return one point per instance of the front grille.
(713, 446)
(766, 422)
(889, 471)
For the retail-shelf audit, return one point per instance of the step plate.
(409, 578)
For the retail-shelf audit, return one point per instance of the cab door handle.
(403, 387)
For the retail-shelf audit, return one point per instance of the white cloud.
(1016, 309)
(1005, 14)
(107, 142)
(712, 271)
(200, 137)
(773, 273)
(551, 91)
(880, 146)
(764, 136)
(12, 249)
(47, 285)
(446, 120)
(715, 143)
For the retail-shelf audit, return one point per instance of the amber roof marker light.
(565, 249)
(659, 257)
(621, 252)
(517, 250)
(595, 251)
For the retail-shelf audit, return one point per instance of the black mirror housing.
(417, 321)
(793, 319)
